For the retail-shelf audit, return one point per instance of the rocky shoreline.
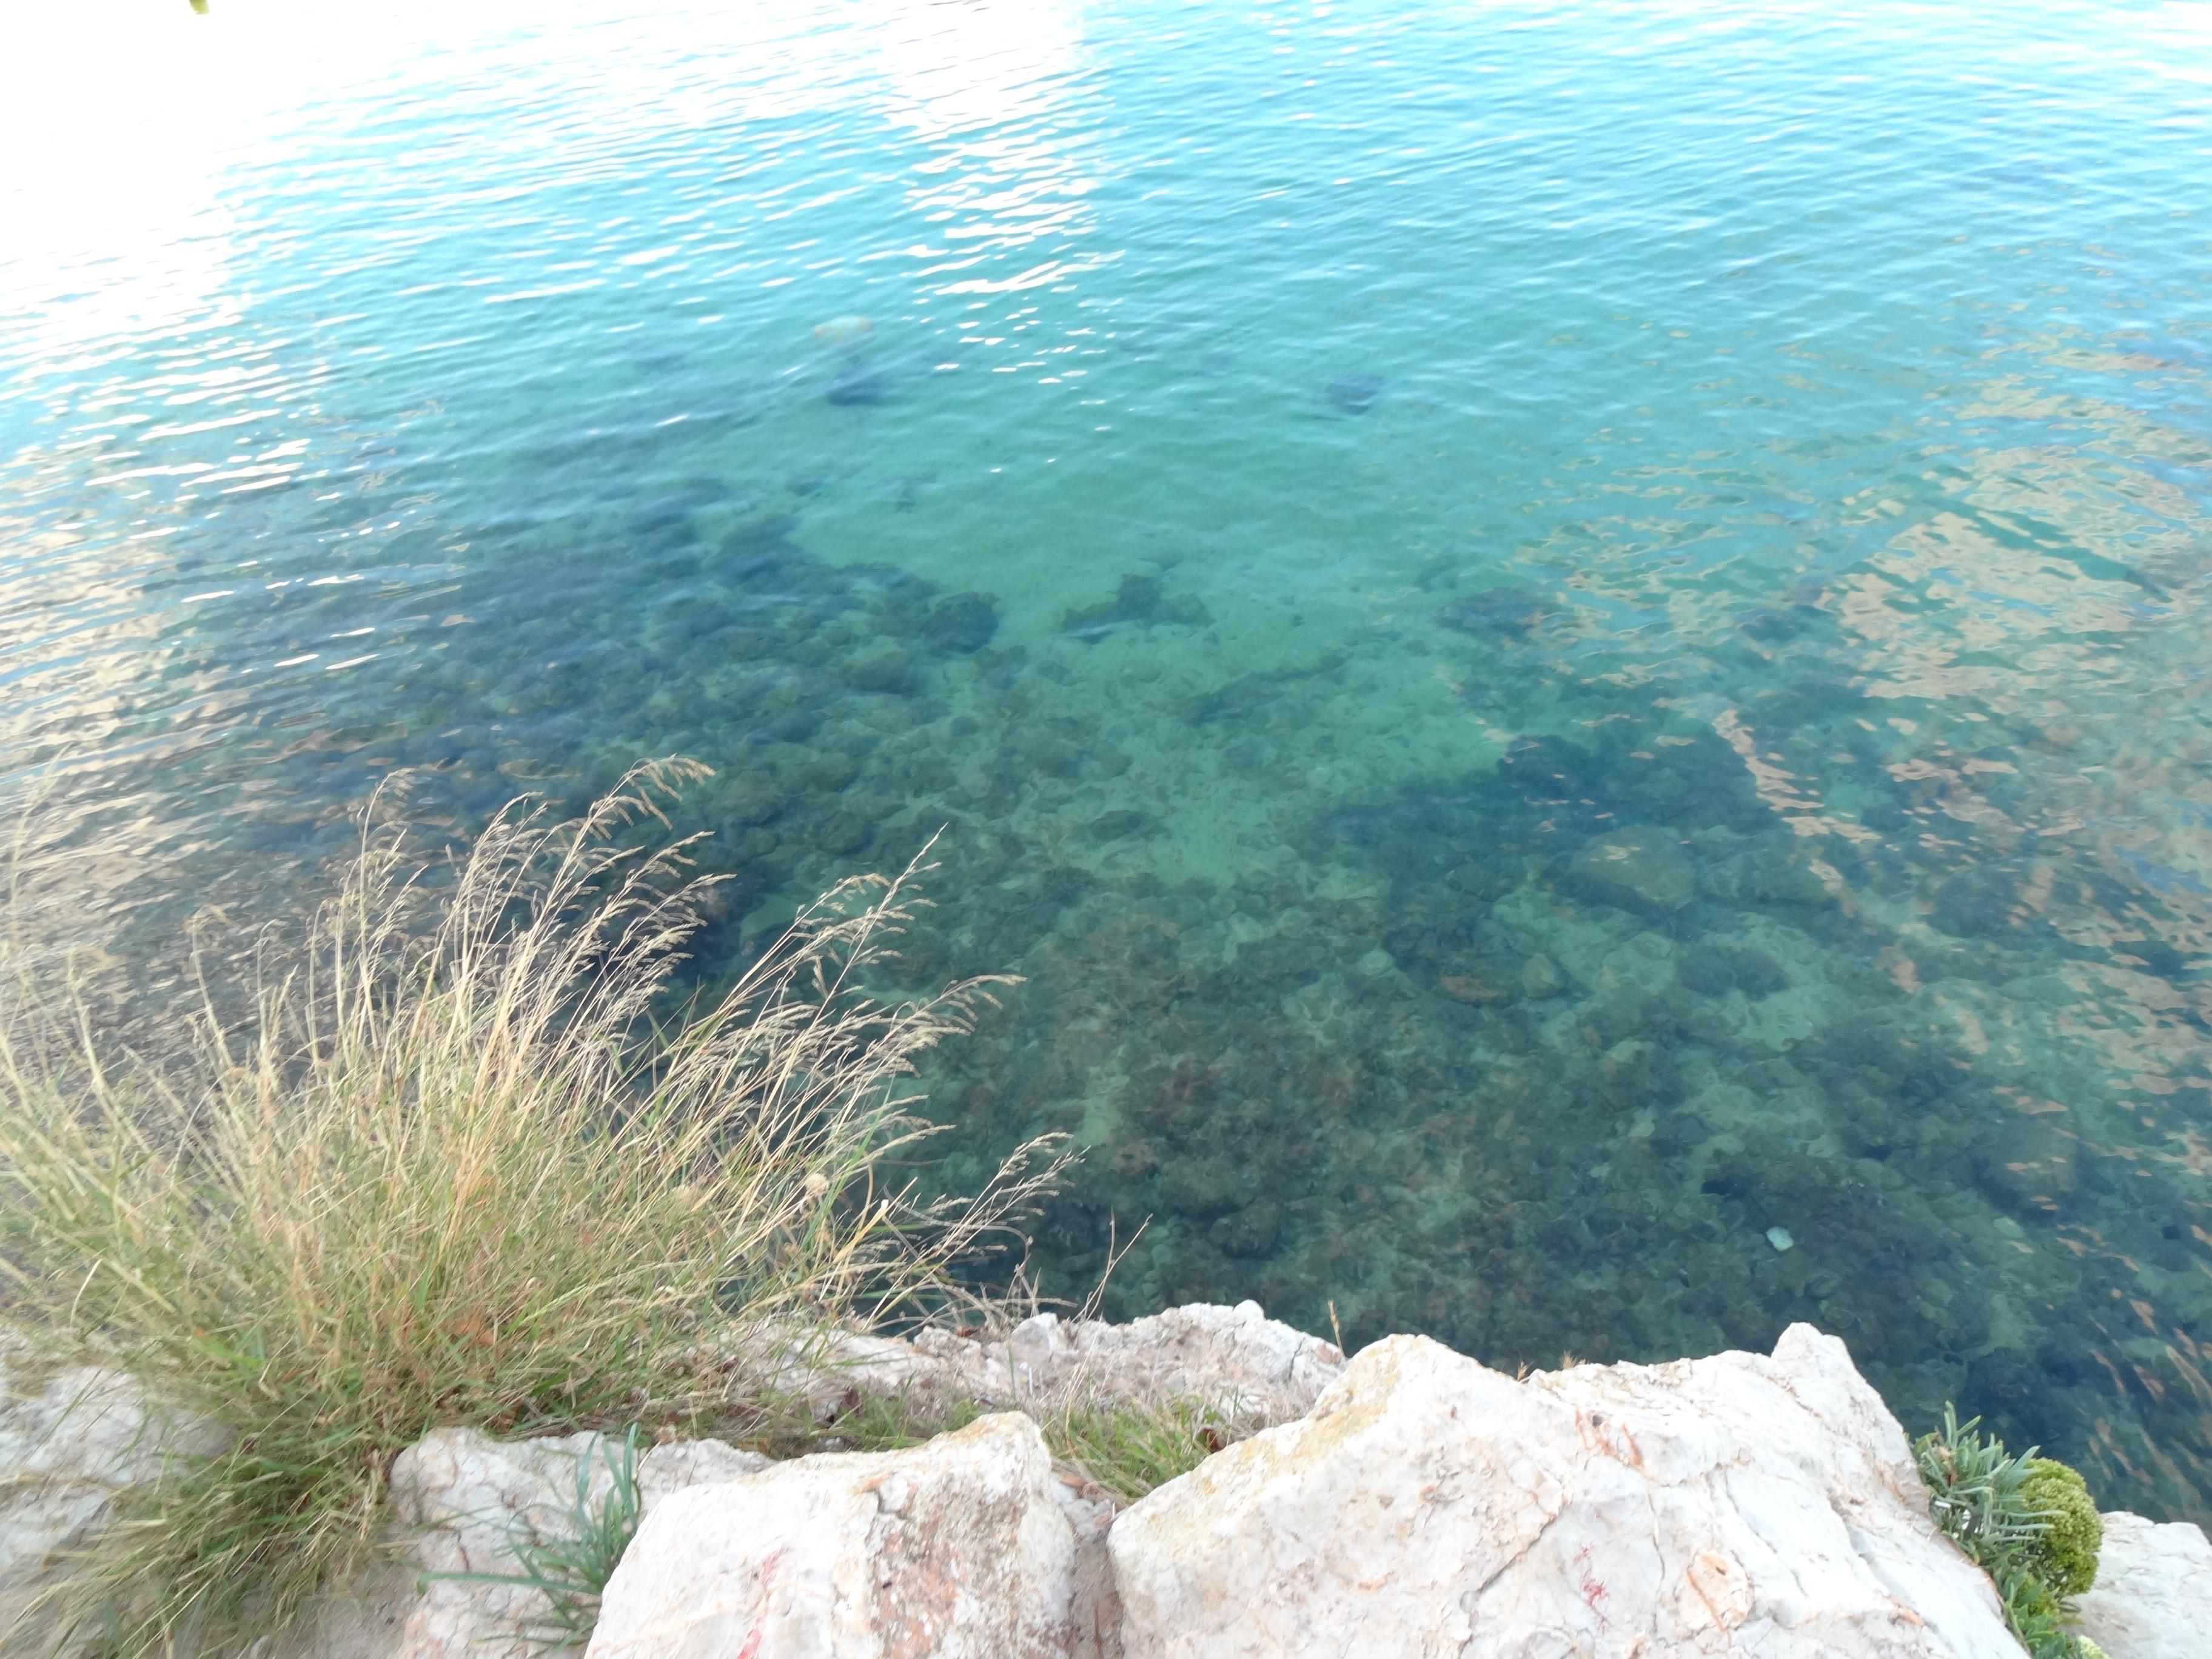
(1408, 1501)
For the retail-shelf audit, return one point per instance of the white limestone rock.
(2152, 1597)
(670, 1468)
(73, 1439)
(1232, 1357)
(467, 1497)
(1236, 1358)
(838, 1372)
(1223, 1355)
(69, 1442)
(1429, 1506)
(954, 1549)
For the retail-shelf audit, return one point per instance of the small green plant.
(1123, 1447)
(1126, 1448)
(2073, 1531)
(870, 1423)
(570, 1570)
(2018, 1523)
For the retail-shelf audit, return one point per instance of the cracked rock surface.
(1427, 1505)
(460, 1500)
(2152, 1597)
(73, 1439)
(957, 1548)
(1233, 1358)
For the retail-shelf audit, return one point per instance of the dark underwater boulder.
(960, 624)
(1644, 870)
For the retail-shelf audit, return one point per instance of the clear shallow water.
(1555, 637)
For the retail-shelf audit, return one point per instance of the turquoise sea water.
(1567, 642)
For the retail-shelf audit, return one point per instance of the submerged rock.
(859, 384)
(1739, 1504)
(1637, 869)
(1540, 978)
(883, 667)
(1354, 394)
(750, 798)
(1466, 987)
(1498, 613)
(1714, 970)
(2027, 1164)
(1138, 603)
(960, 624)
(1986, 901)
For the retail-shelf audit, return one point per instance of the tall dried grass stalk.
(461, 1165)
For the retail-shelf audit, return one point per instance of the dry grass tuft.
(460, 1166)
